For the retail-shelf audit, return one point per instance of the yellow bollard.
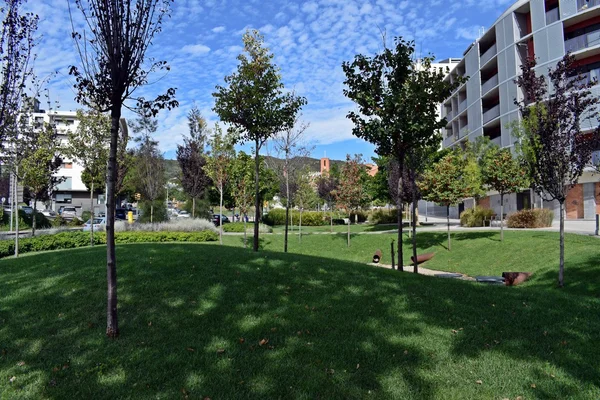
(130, 217)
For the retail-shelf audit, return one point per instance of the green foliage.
(58, 221)
(446, 182)
(238, 227)
(351, 192)
(385, 216)
(202, 208)
(309, 218)
(305, 197)
(159, 211)
(502, 172)
(532, 218)
(26, 221)
(74, 239)
(75, 222)
(474, 217)
(86, 215)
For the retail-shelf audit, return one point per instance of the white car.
(99, 224)
(183, 214)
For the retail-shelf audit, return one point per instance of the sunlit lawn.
(193, 317)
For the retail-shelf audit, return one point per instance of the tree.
(242, 186)
(255, 104)
(150, 172)
(555, 149)
(218, 165)
(112, 54)
(503, 173)
(16, 59)
(289, 145)
(397, 100)
(350, 194)
(305, 196)
(88, 145)
(445, 183)
(192, 160)
(39, 165)
(327, 184)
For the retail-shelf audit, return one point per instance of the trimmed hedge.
(238, 227)
(309, 218)
(71, 240)
(533, 218)
(385, 216)
(474, 217)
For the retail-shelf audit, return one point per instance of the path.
(423, 271)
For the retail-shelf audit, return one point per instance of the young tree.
(350, 194)
(288, 144)
(327, 184)
(242, 186)
(39, 165)
(397, 100)
(16, 58)
(555, 149)
(305, 196)
(255, 104)
(150, 172)
(218, 166)
(88, 145)
(503, 173)
(445, 183)
(112, 54)
(192, 160)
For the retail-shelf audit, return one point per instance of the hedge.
(532, 218)
(309, 218)
(385, 216)
(26, 220)
(474, 217)
(71, 240)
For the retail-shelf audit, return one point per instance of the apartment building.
(484, 105)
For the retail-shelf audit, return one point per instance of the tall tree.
(150, 172)
(555, 149)
(39, 165)
(112, 54)
(88, 145)
(445, 183)
(351, 194)
(218, 166)
(192, 159)
(289, 145)
(255, 104)
(397, 100)
(17, 39)
(503, 173)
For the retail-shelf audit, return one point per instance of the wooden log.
(515, 278)
(421, 258)
(377, 256)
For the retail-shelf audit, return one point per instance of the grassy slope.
(338, 329)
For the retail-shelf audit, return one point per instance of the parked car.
(121, 213)
(49, 213)
(183, 214)
(68, 212)
(99, 224)
(28, 210)
(216, 218)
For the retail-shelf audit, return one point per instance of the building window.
(64, 198)
(67, 165)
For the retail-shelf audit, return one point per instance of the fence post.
(597, 224)
(393, 266)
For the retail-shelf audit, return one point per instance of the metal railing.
(489, 84)
(552, 16)
(492, 113)
(583, 5)
(487, 56)
(583, 41)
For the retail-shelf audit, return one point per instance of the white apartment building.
(484, 105)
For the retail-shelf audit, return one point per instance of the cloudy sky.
(310, 40)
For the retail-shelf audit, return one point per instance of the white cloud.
(218, 29)
(195, 49)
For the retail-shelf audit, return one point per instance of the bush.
(385, 216)
(238, 227)
(532, 218)
(26, 220)
(75, 239)
(58, 221)
(474, 217)
(159, 213)
(86, 215)
(174, 225)
(309, 218)
(75, 222)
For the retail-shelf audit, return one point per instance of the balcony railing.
(487, 56)
(489, 84)
(463, 131)
(449, 115)
(552, 16)
(590, 76)
(583, 41)
(462, 106)
(497, 141)
(583, 5)
(492, 113)
(596, 158)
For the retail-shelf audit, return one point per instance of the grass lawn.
(220, 321)
(354, 228)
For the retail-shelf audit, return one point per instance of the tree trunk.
(33, 219)
(300, 226)
(112, 322)
(331, 220)
(92, 215)
(349, 216)
(256, 194)
(245, 231)
(501, 217)
(221, 213)
(16, 210)
(414, 226)
(448, 221)
(151, 212)
(193, 207)
(400, 255)
(287, 207)
(561, 269)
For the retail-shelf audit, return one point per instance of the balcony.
(583, 5)
(591, 76)
(492, 113)
(488, 55)
(552, 16)
(595, 158)
(583, 41)
(462, 106)
(464, 131)
(489, 84)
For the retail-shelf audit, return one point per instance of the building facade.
(485, 104)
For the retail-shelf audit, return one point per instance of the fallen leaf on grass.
(479, 382)
(150, 323)
(190, 349)
(242, 340)
(357, 366)
(533, 385)
(21, 363)
(273, 329)
(263, 342)
(220, 351)
(11, 380)
(454, 331)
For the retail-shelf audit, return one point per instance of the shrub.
(75, 239)
(532, 218)
(309, 218)
(238, 227)
(174, 225)
(86, 215)
(159, 213)
(26, 220)
(58, 221)
(75, 222)
(385, 216)
(474, 217)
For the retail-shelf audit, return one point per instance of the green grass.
(354, 228)
(335, 328)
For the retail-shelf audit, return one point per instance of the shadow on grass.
(271, 325)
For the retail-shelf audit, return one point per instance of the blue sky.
(310, 40)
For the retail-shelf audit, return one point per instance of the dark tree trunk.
(414, 226)
(151, 211)
(221, 213)
(287, 208)
(400, 222)
(257, 199)
(448, 221)
(34, 215)
(501, 217)
(193, 207)
(245, 231)
(561, 269)
(112, 323)
(349, 218)
(300, 226)
(92, 214)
